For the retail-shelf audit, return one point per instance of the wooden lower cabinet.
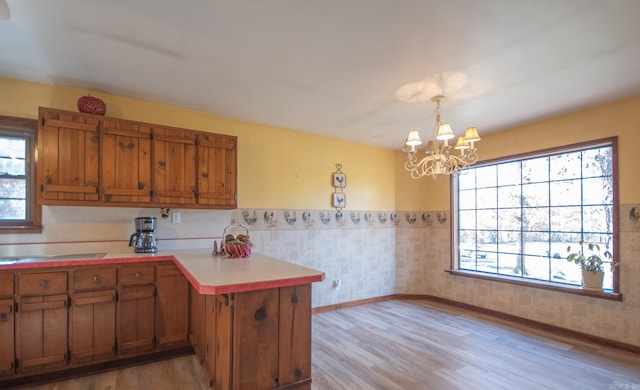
(42, 333)
(136, 319)
(7, 337)
(172, 306)
(258, 339)
(92, 330)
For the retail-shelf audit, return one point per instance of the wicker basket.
(236, 250)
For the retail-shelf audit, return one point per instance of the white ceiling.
(332, 67)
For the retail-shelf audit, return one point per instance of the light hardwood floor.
(415, 344)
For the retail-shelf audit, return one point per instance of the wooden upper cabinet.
(86, 159)
(126, 161)
(68, 156)
(217, 167)
(174, 166)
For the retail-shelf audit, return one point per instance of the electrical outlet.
(175, 217)
(337, 284)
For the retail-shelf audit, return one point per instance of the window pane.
(467, 199)
(12, 156)
(486, 176)
(597, 162)
(565, 166)
(566, 219)
(12, 210)
(598, 218)
(509, 173)
(509, 196)
(467, 219)
(535, 194)
(467, 179)
(535, 219)
(487, 198)
(487, 219)
(566, 193)
(509, 219)
(535, 170)
(597, 190)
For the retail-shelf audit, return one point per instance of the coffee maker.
(143, 238)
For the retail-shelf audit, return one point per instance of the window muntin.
(18, 209)
(516, 217)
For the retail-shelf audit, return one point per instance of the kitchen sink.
(28, 259)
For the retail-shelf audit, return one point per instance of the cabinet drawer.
(136, 274)
(42, 283)
(6, 284)
(94, 278)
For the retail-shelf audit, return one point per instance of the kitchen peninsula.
(248, 320)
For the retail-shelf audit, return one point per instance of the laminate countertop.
(210, 275)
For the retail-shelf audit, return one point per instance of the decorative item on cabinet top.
(92, 105)
(288, 219)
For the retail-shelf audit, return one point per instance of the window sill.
(20, 229)
(577, 290)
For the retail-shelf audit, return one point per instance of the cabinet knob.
(96, 278)
(138, 275)
(43, 283)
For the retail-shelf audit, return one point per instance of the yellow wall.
(277, 168)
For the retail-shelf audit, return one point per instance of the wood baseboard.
(343, 305)
(492, 313)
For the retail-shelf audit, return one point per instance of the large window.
(18, 210)
(516, 217)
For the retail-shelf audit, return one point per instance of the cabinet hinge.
(41, 187)
(228, 299)
(117, 297)
(235, 197)
(43, 122)
(15, 307)
(68, 357)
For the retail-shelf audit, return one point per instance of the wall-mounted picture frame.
(339, 200)
(339, 180)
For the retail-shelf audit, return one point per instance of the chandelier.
(439, 159)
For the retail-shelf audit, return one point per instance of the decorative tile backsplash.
(330, 219)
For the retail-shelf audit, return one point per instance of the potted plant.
(591, 263)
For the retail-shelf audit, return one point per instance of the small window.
(515, 217)
(18, 210)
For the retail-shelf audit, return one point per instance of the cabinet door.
(222, 340)
(136, 319)
(174, 166)
(172, 306)
(126, 161)
(93, 326)
(294, 357)
(197, 309)
(68, 149)
(255, 340)
(217, 170)
(42, 332)
(7, 339)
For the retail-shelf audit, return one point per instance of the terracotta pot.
(592, 280)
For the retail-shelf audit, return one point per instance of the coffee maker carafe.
(143, 239)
